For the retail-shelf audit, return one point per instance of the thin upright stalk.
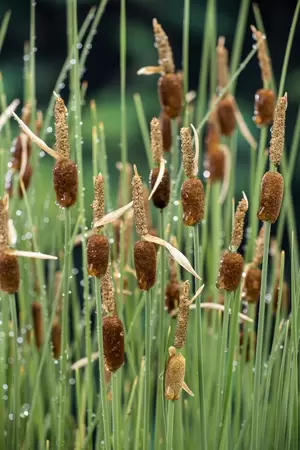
(16, 371)
(123, 92)
(170, 425)
(105, 415)
(260, 335)
(64, 338)
(3, 28)
(185, 55)
(201, 389)
(140, 112)
(147, 369)
(139, 407)
(115, 409)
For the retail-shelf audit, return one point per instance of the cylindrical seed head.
(259, 248)
(271, 195)
(212, 138)
(226, 116)
(61, 128)
(161, 196)
(98, 203)
(188, 155)
(156, 141)
(113, 343)
(264, 107)
(263, 58)
(97, 255)
(170, 94)
(252, 284)
(222, 63)
(37, 321)
(215, 164)
(56, 339)
(9, 273)
(145, 264)
(230, 271)
(174, 375)
(183, 316)
(165, 53)
(4, 240)
(192, 197)
(172, 295)
(166, 130)
(108, 294)
(238, 225)
(278, 131)
(138, 205)
(65, 180)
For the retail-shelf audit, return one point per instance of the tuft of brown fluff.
(188, 155)
(9, 273)
(174, 375)
(140, 218)
(26, 179)
(145, 264)
(230, 271)
(98, 202)
(183, 316)
(113, 342)
(166, 130)
(4, 240)
(278, 131)
(56, 339)
(264, 107)
(238, 225)
(37, 321)
(61, 129)
(97, 255)
(161, 196)
(165, 53)
(65, 180)
(170, 94)
(108, 294)
(192, 196)
(252, 284)
(156, 141)
(215, 164)
(271, 195)
(226, 116)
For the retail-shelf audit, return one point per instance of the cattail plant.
(252, 280)
(169, 84)
(174, 375)
(56, 338)
(37, 321)
(166, 131)
(231, 265)
(172, 291)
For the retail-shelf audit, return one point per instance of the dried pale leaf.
(227, 170)
(25, 254)
(12, 233)
(197, 294)
(24, 155)
(190, 96)
(112, 216)
(218, 307)
(39, 142)
(7, 113)
(243, 128)
(187, 389)
(84, 361)
(159, 177)
(196, 158)
(150, 70)
(174, 252)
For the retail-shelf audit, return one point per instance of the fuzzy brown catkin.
(174, 375)
(37, 321)
(61, 129)
(108, 295)
(183, 316)
(259, 248)
(187, 152)
(4, 241)
(98, 203)
(156, 141)
(271, 195)
(238, 226)
(222, 63)
(9, 273)
(164, 50)
(140, 218)
(278, 131)
(262, 54)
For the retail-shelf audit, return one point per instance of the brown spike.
(170, 95)
(9, 273)
(65, 180)
(271, 195)
(264, 107)
(37, 320)
(98, 203)
(61, 129)
(113, 343)
(192, 196)
(161, 196)
(138, 205)
(97, 255)
(156, 141)
(226, 116)
(108, 294)
(174, 375)
(230, 271)
(252, 284)
(145, 264)
(165, 53)
(238, 225)
(183, 316)
(56, 339)
(166, 130)
(278, 131)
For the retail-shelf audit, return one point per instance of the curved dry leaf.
(150, 70)
(8, 112)
(84, 361)
(12, 233)
(159, 177)
(196, 158)
(36, 255)
(24, 155)
(112, 216)
(190, 96)
(227, 170)
(197, 294)
(174, 252)
(218, 307)
(187, 389)
(243, 127)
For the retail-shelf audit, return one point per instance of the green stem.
(258, 360)
(140, 112)
(16, 390)
(123, 93)
(115, 408)
(147, 370)
(139, 407)
(64, 338)
(170, 425)
(185, 56)
(3, 28)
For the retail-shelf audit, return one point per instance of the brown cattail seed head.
(4, 240)
(165, 53)
(264, 107)
(156, 141)
(238, 226)
(26, 179)
(97, 255)
(259, 248)
(161, 196)
(113, 343)
(170, 94)
(145, 264)
(17, 150)
(138, 205)
(230, 271)
(172, 295)
(61, 128)
(166, 130)
(174, 375)
(188, 155)
(278, 131)
(56, 339)
(98, 203)
(37, 320)
(65, 180)
(215, 164)
(263, 58)
(271, 195)
(252, 284)
(192, 196)
(226, 116)
(183, 316)
(212, 139)
(108, 294)
(222, 63)
(9, 273)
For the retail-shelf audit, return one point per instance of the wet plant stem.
(147, 369)
(170, 425)
(116, 412)
(16, 371)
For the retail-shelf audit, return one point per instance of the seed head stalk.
(147, 369)
(170, 425)
(116, 412)
(185, 53)
(16, 371)
(32, 50)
